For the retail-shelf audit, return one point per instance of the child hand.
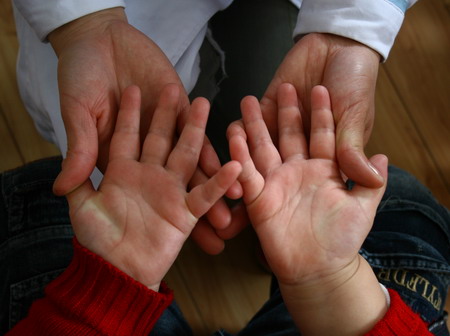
(309, 225)
(142, 213)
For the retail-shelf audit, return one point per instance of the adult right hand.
(100, 55)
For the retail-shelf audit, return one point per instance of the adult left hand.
(349, 71)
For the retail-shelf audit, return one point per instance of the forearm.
(347, 306)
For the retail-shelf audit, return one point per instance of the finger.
(125, 141)
(82, 152)
(238, 222)
(184, 157)
(351, 158)
(292, 140)
(263, 152)
(269, 109)
(206, 238)
(322, 139)
(210, 164)
(204, 196)
(219, 215)
(369, 198)
(251, 180)
(236, 128)
(159, 140)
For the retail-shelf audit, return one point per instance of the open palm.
(99, 56)
(142, 213)
(93, 71)
(349, 71)
(308, 223)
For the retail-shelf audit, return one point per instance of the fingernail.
(374, 169)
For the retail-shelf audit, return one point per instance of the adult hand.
(142, 213)
(99, 55)
(349, 71)
(309, 225)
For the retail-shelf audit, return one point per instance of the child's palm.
(142, 213)
(307, 221)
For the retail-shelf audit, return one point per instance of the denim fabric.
(409, 247)
(35, 237)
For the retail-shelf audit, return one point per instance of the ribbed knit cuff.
(105, 298)
(399, 320)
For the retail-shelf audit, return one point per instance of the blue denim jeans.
(408, 249)
(35, 237)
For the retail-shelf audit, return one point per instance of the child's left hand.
(142, 213)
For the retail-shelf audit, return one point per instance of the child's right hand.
(309, 225)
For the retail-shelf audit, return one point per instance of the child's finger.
(251, 180)
(125, 140)
(292, 140)
(184, 157)
(323, 137)
(159, 139)
(204, 196)
(210, 164)
(236, 128)
(263, 152)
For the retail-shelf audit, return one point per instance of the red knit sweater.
(92, 297)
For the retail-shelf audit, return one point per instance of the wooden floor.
(412, 127)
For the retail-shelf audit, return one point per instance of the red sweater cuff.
(101, 297)
(399, 320)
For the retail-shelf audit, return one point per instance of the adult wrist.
(89, 25)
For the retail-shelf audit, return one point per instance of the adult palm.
(349, 71)
(100, 55)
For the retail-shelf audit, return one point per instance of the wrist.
(349, 302)
(89, 25)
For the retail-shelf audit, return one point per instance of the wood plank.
(396, 136)
(9, 154)
(227, 291)
(419, 69)
(185, 301)
(30, 144)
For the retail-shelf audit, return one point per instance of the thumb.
(352, 160)
(81, 157)
(371, 197)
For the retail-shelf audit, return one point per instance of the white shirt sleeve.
(374, 23)
(44, 16)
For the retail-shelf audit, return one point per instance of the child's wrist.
(350, 303)
(318, 287)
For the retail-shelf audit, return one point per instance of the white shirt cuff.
(374, 23)
(46, 16)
